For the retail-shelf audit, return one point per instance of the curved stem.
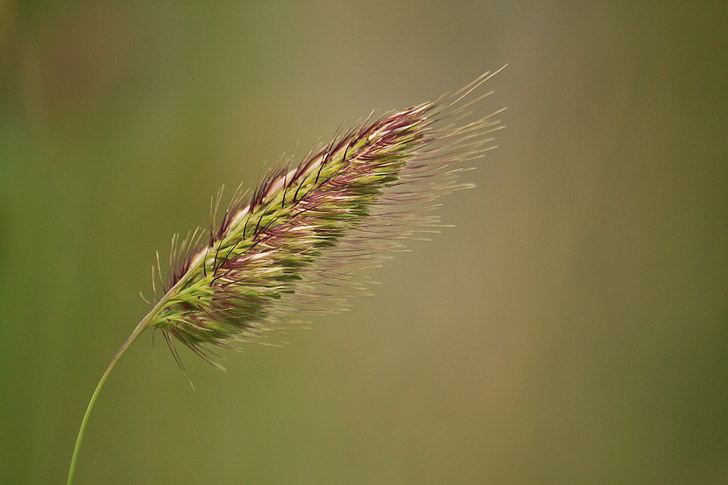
(143, 324)
(134, 335)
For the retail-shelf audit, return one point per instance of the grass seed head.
(293, 245)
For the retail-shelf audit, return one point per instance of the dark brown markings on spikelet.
(340, 179)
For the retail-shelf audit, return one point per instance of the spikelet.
(294, 244)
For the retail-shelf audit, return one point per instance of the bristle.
(296, 243)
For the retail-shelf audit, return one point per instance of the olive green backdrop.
(572, 328)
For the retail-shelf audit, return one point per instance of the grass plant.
(295, 244)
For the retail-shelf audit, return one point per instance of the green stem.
(143, 324)
(134, 335)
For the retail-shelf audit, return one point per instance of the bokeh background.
(573, 327)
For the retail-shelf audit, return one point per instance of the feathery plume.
(292, 246)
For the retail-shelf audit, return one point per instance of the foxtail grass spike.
(294, 245)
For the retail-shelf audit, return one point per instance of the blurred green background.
(573, 327)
